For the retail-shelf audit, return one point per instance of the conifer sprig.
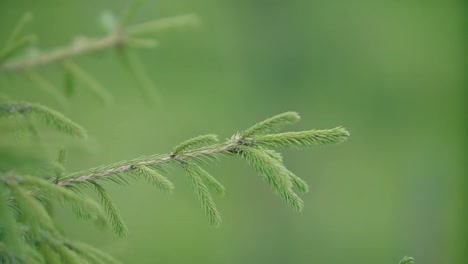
(407, 260)
(32, 194)
(45, 114)
(83, 207)
(303, 139)
(119, 38)
(154, 177)
(195, 142)
(91, 83)
(256, 149)
(271, 124)
(111, 210)
(198, 183)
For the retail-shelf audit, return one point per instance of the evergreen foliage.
(271, 124)
(43, 113)
(30, 193)
(194, 142)
(407, 260)
(28, 231)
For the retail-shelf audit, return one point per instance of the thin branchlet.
(155, 160)
(271, 124)
(198, 183)
(154, 177)
(195, 142)
(86, 45)
(303, 139)
(257, 149)
(83, 206)
(45, 114)
(407, 260)
(112, 212)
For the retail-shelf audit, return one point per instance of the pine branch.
(85, 45)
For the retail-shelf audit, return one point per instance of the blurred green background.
(392, 72)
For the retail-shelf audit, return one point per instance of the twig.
(87, 45)
(225, 147)
(84, 46)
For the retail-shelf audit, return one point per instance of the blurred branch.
(407, 260)
(85, 45)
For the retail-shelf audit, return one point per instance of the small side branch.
(226, 147)
(119, 38)
(257, 150)
(84, 46)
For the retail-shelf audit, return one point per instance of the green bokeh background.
(392, 72)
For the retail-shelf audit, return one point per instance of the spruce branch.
(18, 46)
(32, 210)
(86, 45)
(407, 260)
(8, 233)
(130, 11)
(26, 18)
(152, 176)
(83, 207)
(32, 195)
(62, 157)
(136, 69)
(95, 87)
(303, 139)
(14, 42)
(209, 180)
(92, 254)
(195, 142)
(112, 211)
(208, 204)
(47, 87)
(193, 153)
(271, 124)
(45, 114)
